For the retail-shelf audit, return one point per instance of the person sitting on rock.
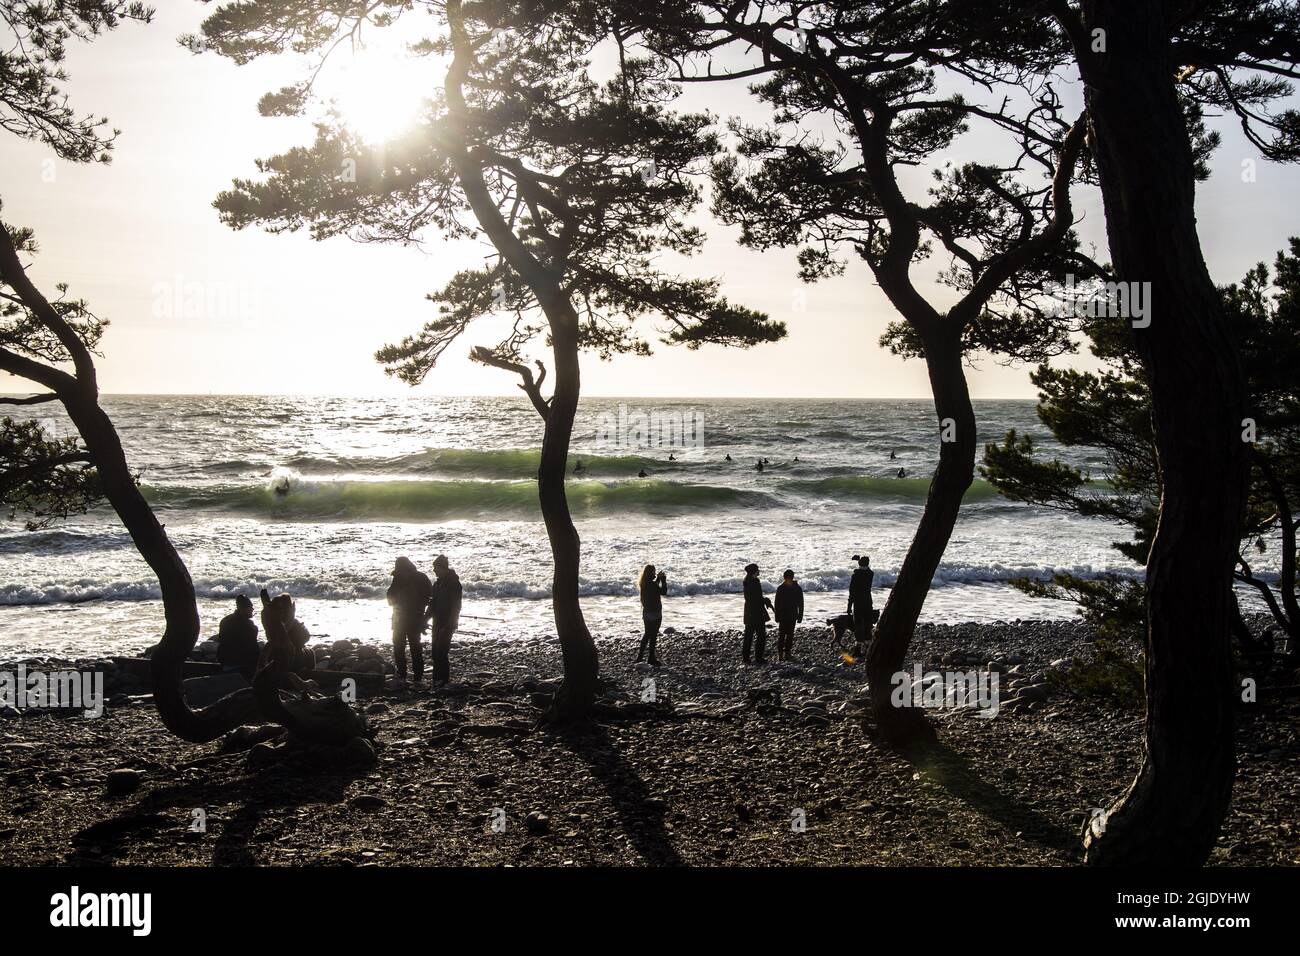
(789, 612)
(409, 596)
(444, 612)
(237, 649)
(286, 641)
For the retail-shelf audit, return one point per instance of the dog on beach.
(842, 627)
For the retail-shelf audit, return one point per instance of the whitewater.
(317, 496)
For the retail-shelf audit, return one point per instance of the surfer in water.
(902, 473)
(579, 468)
(642, 474)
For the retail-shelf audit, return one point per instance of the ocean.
(317, 496)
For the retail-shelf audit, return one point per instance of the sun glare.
(379, 95)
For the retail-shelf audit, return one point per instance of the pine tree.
(579, 185)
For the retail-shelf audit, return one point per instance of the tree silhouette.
(580, 187)
(52, 344)
(1005, 226)
(1110, 411)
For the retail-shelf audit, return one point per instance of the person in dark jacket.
(860, 601)
(756, 607)
(788, 609)
(409, 596)
(286, 640)
(444, 611)
(653, 587)
(237, 648)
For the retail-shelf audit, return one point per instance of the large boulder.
(202, 691)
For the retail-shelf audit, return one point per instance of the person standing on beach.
(409, 596)
(444, 611)
(653, 587)
(788, 609)
(860, 601)
(237, 648)
(756, 606)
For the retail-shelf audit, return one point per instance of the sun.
(379, 94)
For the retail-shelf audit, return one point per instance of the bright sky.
(196, 307)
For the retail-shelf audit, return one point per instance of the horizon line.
(379, 395)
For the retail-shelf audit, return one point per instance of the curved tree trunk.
(180, 606)
(581, 663)
(885, 656)
(1173, 810)
(79, 394)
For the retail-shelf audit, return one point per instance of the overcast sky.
(197, 308)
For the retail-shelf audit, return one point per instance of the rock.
(202, 691)
(242, 738)
(1033, 692)
(490, 730)
(341, 649)
(122, 781)
(367, 652)
(360, 752)
(485, 780)
(10, 712)
(378, 707)
(367, 801)
(263, 755)
(537, 823)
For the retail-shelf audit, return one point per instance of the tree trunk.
(180, 606)
(581, 665)
(1173, 810)
(885, 656)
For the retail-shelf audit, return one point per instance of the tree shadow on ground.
(167, 813)
(955, 773)
(643, 823)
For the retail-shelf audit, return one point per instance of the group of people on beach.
(419, 603)
(786, 605)
(240, 652)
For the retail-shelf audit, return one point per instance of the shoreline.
(714, 771)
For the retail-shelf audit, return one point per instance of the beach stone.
(264, 754)
(202, 691)
(360, 752)
(367, 801)
(122, 781)
(485, 780)
(378, 707)
(367, 652)
(488, 730)
(341, 649)
(537, 823)
(242, 738)
(1033, 693)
